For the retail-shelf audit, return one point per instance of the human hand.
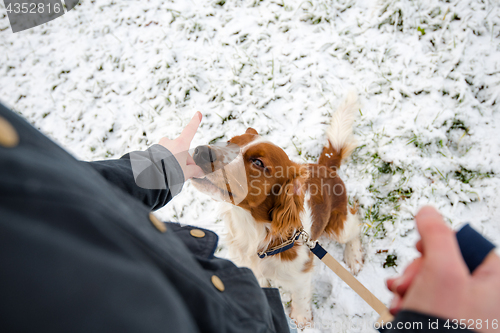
(439, 283)
(180, 146)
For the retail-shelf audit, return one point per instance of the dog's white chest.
(246, 237)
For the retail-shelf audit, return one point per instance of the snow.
(110, 77)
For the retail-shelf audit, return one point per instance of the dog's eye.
(257, 163)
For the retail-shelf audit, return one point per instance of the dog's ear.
(251, 131)
(289, 204)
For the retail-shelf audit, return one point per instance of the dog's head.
(254, 174)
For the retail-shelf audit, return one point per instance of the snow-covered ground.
(113, 76)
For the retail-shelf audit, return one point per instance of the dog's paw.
(353, 256)
(302, 322)
(301, 318)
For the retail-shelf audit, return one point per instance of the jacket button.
(217, 282)
(197, 233)
(8, 135)
(157, 223)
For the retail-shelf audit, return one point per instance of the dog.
(267, 199)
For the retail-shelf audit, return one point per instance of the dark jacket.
(80, 251)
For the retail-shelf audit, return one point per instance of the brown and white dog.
(267, 198)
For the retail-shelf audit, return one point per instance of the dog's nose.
(204, 154)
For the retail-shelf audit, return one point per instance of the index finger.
(189, 131)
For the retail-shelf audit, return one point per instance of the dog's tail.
(341, 141)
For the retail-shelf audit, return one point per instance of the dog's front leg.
(301, 299)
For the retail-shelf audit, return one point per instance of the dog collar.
(287, 245)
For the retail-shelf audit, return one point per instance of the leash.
(473, 247)
(346, 276)
(336, 267)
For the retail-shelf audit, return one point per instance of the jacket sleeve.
(153, 176)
